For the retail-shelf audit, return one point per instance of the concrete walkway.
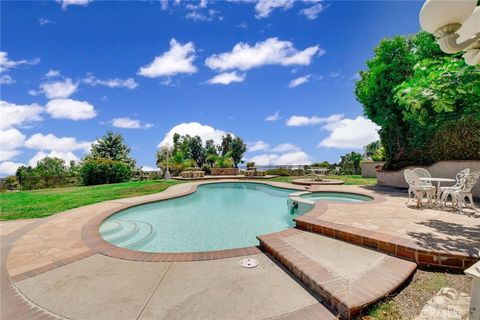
(101, 287)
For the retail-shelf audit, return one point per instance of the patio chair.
(460, 178)
(418, 187)
(464, 192)
(423, 173)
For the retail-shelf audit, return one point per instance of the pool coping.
(92, 238)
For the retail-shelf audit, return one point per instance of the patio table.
(438, 181)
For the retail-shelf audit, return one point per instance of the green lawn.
(349, 180)
(45, 202)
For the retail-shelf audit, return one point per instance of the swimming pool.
(218, 216)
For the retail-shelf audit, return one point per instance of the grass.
(46, 202)
(349, 180)
(408, 303)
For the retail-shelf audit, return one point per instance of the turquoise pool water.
(335, 197)
(217, 216)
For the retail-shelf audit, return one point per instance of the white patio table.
(438, 181)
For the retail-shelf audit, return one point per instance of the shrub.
(279, 172)
(101, 171)
(11, 183)
(250, 165)
(207, 168)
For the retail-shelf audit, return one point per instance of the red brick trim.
(394, 245)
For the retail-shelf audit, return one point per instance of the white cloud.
(16, 115)
(257, 146)
(299, 81)
(57, 89)
(44, 21)
(11, 139)
(289, 158)
(9, 168)
(312, 12)
(286, 147)
(178, 59)
(273, 117)
(6, 79)
(70, 109)
(193, 129)
(263, 8)
(129, 123)
(129, 83)
(6, 63)
(148, 168)
(208, 15)
(298, 121)
(52, 73)
(66, 156)
(8, 154)
(51, 142)
(269, 52)
(227, 77)
(350, 133)
(66, 3)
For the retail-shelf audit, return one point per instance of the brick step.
(347, 277)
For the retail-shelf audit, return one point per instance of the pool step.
(130, 234)
(347, 277)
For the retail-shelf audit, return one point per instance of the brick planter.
(224, 171)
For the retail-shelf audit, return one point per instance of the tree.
(51, 167)
(412, 90)
(391, 65)
(235, 146)
(374, 151)
(350, 163)
(112, 146)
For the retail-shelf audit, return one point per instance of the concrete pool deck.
(45, 256)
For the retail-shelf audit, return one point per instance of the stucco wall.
(442, 169)
(368, 168)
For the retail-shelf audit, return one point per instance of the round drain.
(249, 263)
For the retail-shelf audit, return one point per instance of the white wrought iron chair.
(459, 196)
(418, 187)
(423, 173)
(460, 178)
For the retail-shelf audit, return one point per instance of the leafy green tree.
(112, 146)
(350, 163)
(374, 151)
(391, 65)
(412, 90)
(235, 146)
(51, 167)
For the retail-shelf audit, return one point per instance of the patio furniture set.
(253, 172)
(420, 181)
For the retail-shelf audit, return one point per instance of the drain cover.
(249, 263)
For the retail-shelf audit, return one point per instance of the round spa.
(302, 202)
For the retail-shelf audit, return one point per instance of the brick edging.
(389, 244)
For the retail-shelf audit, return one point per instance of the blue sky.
(280, 74)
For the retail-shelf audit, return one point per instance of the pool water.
(335, 197)
(217, 216)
